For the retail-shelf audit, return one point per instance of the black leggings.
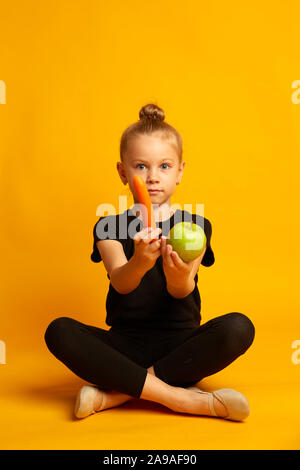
(117, 359)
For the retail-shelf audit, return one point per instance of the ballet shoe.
(235, 403)
(85, 400)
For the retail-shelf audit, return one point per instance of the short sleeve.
(209, 257)
(109, 228)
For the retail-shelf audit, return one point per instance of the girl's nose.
(152, 177)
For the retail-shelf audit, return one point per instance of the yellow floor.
(38, 395)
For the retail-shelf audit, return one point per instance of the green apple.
(187, 239)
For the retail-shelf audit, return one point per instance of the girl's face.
(157, 162)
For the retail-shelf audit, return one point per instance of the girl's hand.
(145, 252)
(177, 271)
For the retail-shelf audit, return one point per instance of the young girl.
(155, 348)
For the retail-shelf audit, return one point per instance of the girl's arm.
(180, 276)
(124, 275)
(127, 277)
(181, 290)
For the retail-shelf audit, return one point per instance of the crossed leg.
(176, 398)
(210, 348)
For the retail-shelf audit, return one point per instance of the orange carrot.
(145, 201)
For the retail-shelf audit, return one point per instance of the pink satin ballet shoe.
(236, 404)
(84, 405)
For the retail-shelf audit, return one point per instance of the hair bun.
(151, 112)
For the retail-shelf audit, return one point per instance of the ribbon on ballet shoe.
(104, 400)
(210, 399)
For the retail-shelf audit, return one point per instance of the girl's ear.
(180, 172)
(121, 171)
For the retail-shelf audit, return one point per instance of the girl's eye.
(141, 164)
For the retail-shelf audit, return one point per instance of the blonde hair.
(151, 121)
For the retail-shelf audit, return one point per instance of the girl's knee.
(241, 331)
(55, 330)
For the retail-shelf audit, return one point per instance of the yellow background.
(76, 74)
